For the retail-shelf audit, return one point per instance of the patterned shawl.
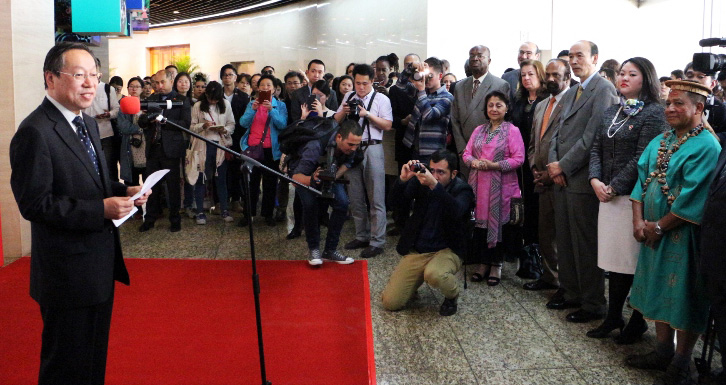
(495, 219)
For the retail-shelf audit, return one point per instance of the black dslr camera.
(354, 111)
(418, 167)
(411, 72)
(707, 62)
(136, 141)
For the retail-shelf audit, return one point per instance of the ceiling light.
(244, 9)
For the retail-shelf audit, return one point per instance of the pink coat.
(480, 180)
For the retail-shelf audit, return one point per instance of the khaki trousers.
(437, 269)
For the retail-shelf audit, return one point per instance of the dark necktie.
(476, 86)
(86, 141)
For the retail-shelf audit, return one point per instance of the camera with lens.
(328, 173)
(136, 141)
(412, 72)
(354, 111)
(707, 62)
(418, 167)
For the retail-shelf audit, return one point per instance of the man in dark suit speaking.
(63, 187)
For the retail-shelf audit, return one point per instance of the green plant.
(184, 64)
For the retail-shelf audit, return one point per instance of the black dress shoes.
(294, 233)
(606, 328)
(371, 251)
(539, 285)
(175, 227)
(632, 333)
(146, 226)
(355, 244)
(582, 316)
(560, 303)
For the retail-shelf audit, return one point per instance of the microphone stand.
(247, 166)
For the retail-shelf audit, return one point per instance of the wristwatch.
(658, 230)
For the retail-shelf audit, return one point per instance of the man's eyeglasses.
(80, 78)
(478, 56)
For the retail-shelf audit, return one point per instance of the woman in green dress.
(668, 200)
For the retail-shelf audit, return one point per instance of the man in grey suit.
(467, 111)
(546, 115)
(527, 51)
(576, 206)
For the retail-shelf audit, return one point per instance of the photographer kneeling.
(434, 236)
(305, 170)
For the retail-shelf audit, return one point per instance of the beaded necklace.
(664, 159)
(619, 123)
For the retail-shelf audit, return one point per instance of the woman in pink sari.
(494, 152)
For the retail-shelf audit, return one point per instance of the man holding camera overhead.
(426, 129)
(373, 112)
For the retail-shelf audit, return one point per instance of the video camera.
(709, 63)
(328, 173)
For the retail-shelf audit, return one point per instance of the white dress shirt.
(100, 105)
(381, 108)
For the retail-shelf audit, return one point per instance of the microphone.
(711, 42)
(131, 105)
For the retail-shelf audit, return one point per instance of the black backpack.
(297, 135)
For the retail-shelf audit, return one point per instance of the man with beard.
(544, 125)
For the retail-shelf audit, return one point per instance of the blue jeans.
(311, 215)
(221, 180)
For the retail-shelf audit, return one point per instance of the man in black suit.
(63, 187)
(315, 72)
(712, 255)
(164, 150)
(715, 109)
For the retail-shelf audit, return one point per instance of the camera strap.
(366, 122)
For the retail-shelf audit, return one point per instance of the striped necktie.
(86, 141)
(476, 86)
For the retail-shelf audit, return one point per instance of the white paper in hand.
(148, 184)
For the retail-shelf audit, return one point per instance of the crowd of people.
(598, 170)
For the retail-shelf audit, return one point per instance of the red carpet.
(193, 322)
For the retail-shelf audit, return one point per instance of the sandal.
(476, 277)
(480, 277)
(493, 281)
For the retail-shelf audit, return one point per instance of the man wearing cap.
(668, 200)
(715, 110)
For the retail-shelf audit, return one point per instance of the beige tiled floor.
(501, 335)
